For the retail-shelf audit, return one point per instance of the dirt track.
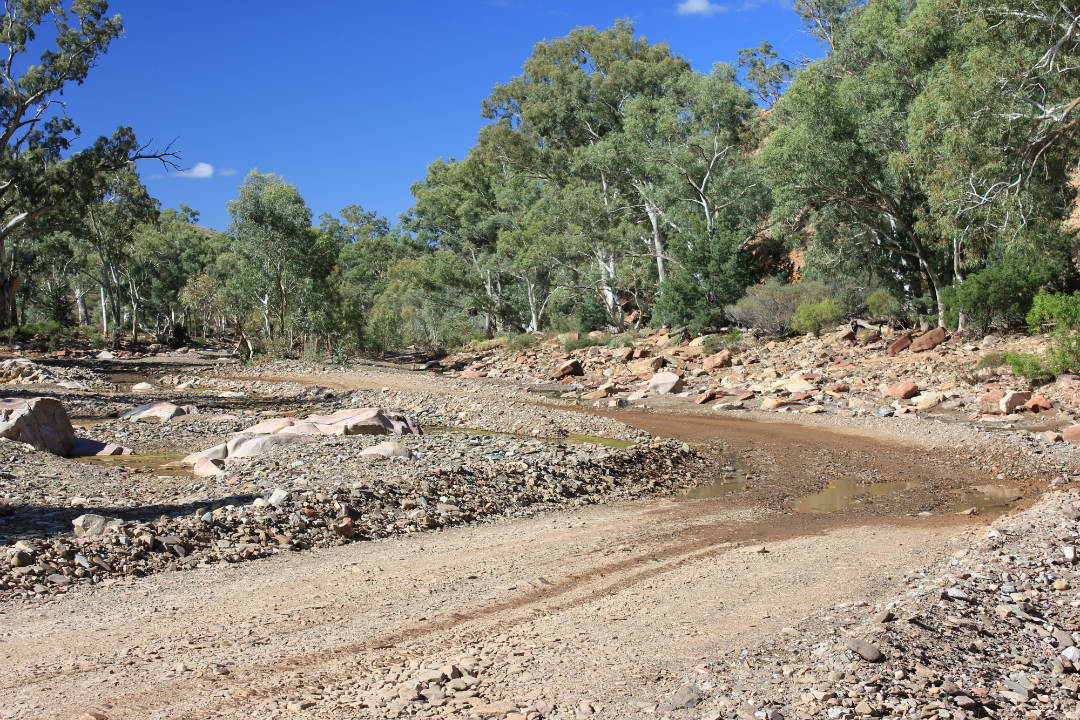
(589, 605)
(596, 605)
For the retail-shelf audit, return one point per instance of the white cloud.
(200, 171)
(226, 172)
(699, 7)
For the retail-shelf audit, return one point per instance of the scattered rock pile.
(995, 632)
(327, 491)
(22, 371)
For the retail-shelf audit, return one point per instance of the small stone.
(863, 649)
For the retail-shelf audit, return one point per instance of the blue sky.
(350, 101)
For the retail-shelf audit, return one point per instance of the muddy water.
(840, 476)
(843, 493)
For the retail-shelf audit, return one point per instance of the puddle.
(597, 440)
(731, 480)
(148, 463)
(844, 493)
(985, 498)
(716, 489)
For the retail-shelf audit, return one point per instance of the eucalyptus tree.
(572, 96)
(121, 207)
(40, 173)
(838, 155)
(269, 232)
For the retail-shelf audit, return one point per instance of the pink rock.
(271, 426)
(929, 341)
(1012, 401)
(568, 369)
(388, 449)
(663, 383)
(645, 365)
(1038, 403)
(1071, 434)
(90, 448)
(721, 359)
(903, 390)
(158, 410)
(899, 345)
(990, 403)
(208, 467)
(41, 422)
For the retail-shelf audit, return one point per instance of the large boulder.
(366, 421)
(903, 390)
(721, 359)
(663, 383)
(388, 449)
(568, 369)
(161, 410)
(644, 365)
(899, 345)
(40, 422)
(85, 447)
(928, 341)
(242, 447)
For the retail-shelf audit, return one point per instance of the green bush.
(991, 361)
(1051, 311)
(1029, 366)
(624, 340)
(813, 317)
(883, 306)
(585, 341)
(521, 342)
(1002, 294)
(1060, 314)
(771, 305)
(715, 343)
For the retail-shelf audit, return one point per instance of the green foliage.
(1001, 295)
(812, 317)
(1060, 313)
(522, 341)
(771, 305)
(715, 343)
(883, 306)
(57, 304)
(1053, 312)
(585, 341)
(991, 361)
(1029, 366)
(621, 341)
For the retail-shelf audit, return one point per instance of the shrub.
(1029, 366)
(584, 341)
(1061, 314)
(1001, 294)
(883, 306)
(771, 305)
(715, 343)
(812, 317)
(621, 341)
(521, 342)
(991, 361)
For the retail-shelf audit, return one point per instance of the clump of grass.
(585, 341)
(991, 361)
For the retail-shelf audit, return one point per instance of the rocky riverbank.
(994, 632)
(133, 515)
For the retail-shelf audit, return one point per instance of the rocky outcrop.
(40, 422)
(160, 410)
